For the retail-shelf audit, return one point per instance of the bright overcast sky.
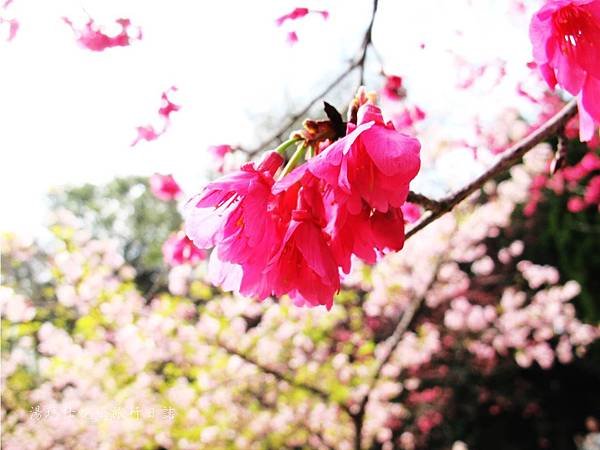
(68, 115)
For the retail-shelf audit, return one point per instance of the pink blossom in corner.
(179, 249)
(299, 13)
(92, 37)
(565, 36)
(8, 27)
(373, 163)
(164, 187)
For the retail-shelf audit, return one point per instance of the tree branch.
(282, 376)
(511, 157)
(404, 321)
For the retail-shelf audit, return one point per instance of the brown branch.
(511, 157)
(424, 201)
(282, 376)
(367, 41)
(404, 321)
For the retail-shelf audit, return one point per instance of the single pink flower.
(219, 151)
(591, 195)
(92, 38)
(373, 163)
(164, 187)
(411, 212)
(146, 133)
(304, 266)
(576, 204)
(365, 235)
(167, 107)
(393, 88)
(299, 13)
(179, 249)
(8, 26)
(292, 38)
(565, 36)
(232, 213)
(407, 118)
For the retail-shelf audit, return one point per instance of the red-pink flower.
(565, 36)
(373, 163)
(411, 212)
(179, 249)
(393, 88)
(167, 107)
(292, 38)
(298, 13)
(232, 213)
(591, 195)
(575, 204)
(304, 266)
(8, 27)
(164, 187)
(92, 38)
(146, 133)
(219, 151)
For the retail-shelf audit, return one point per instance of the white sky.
(68, 115)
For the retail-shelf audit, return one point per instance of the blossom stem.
(294, 160)
(310, 152)
(287, 144)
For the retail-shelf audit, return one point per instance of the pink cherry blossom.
(164, 187)
(299, 13)
(304, 266)
(373, 163)
(167, 107)
(93, 38)
(565, 34)
(179, 249)
(149, 132)
(411, 212)
(232, 214)
(575, 204)
(292, 38)
(146, 133)
(219, 151)
(8, 26)
(393, 88)
(591, 195)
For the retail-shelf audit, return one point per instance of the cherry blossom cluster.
(290, 230)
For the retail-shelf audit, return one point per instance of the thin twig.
(424, 201)
(365, 45)
(358, 62)
(511, 157)
(282, 376)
